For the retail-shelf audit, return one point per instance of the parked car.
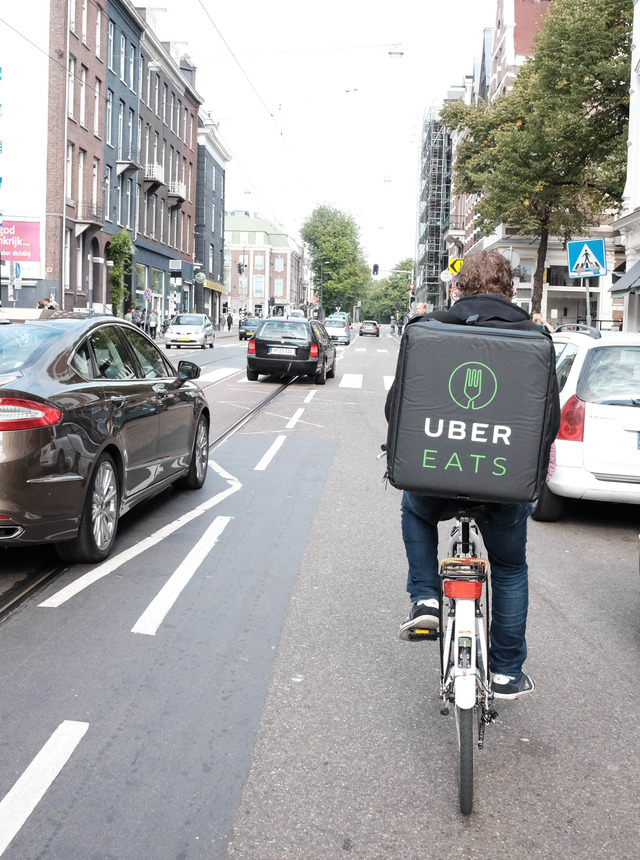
(190, 330)
(598, 445)
(296, 314)
(291, 348)
(338, 329)
(370, 327)
(93, 420)
(248, 327)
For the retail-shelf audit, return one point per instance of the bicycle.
(465, 681)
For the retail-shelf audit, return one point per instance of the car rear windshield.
(334, 323)
(284, 329)
(611, 375)
(188, 319)
(22, 344)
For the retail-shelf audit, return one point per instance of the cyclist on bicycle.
(486, 286)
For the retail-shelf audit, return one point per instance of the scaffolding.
(433, 209)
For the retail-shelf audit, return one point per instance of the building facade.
(263, 268)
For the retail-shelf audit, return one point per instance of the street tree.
(550, 156)
(333, 240)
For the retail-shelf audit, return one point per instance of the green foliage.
(390, 295)
(333, 240)
(550, 156)
(120, 251)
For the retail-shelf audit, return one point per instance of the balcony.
(128, 159)
(178, 191)
(154, 175)
(90, 217)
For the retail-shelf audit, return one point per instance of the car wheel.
(211, 344)
(204, 344)
(167, 346)
(321, 377)
(99, 520)
(252, 375)
(199, 463)
(548, 507)
(331, 373)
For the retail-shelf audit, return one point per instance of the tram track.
(42, 574)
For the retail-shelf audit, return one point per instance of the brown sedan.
(93, 420)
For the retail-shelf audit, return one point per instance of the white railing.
(154, 172)
(178, 189)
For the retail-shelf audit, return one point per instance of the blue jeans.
(504, 531)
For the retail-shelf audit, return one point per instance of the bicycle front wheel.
(464, 723)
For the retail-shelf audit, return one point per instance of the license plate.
(281, 350)
(184, 338)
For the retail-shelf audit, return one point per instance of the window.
(94, 186)
(96, 109)
(98, 32)
(191, 133)
(278, 287)
(184, 125)
(165, 91)
(171, 110)
(258, 262)
(139, 139)
(120, 128)
(111, 33)
(148, 85)
(72, 16)
(109, 118)
(128, 200)
(83, 94)
(132, 68)
(154, 204)
(66, 272)
(72, 84)
(84, 21)
(610, 375)
(119, 200)
(140, 76)
(107, 193)
(188, 232)
(130, 132)
(149, 357)
(79, 244)
(190, 179)
(69, 174)
(565, 355)
(162, 219)
(279, 265)
(112, 357)
(80, 199)
(81, 361)
(258, 286)
(157, 94)
(211, 250)
(123, 56)
(182, 231)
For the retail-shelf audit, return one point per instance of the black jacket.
(493, 309)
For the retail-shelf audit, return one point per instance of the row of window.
(257, 284)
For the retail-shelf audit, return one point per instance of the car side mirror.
(188, 370)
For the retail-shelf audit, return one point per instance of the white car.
(598, 445)
(190, 330)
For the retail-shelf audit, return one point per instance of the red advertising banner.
(20, 241)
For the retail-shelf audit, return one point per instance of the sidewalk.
(220, 335)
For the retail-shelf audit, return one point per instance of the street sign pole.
(585, 283)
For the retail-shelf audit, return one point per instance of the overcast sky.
(314, 110)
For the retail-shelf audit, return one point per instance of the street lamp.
(322, 265)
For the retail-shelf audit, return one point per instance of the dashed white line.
(22, 799)
(388, 381)
(310, 396)
(351, 380)
(268, 457)
(361, 349)
(218, 374)
(382, 350)
(294, 419)
(117, 561)
(155, 613)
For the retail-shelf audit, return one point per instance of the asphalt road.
(267, 708)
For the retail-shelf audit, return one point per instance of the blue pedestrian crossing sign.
(586, 258)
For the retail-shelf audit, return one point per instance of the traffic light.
(240, 268)
(376, 268)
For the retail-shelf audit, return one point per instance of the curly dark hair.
(486, 272)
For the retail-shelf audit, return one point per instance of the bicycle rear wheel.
(464, 724)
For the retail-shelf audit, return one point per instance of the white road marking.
(382, 350)
(310, 396)
(388, 381)
(361, 349)
(268, 457)
(117, 561)
(351, 380)
(218, 374)
(156, 612)
(18, 804)
(294, 419)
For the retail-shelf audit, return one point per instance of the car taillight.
(18, 414)
(313, 350)
(251, 348)
(572, 420)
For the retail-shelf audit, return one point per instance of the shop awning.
(213, 285)
(628, 283)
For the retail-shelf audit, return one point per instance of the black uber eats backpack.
(471, 411)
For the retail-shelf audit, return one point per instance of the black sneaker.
(424, 615)
(506, 687)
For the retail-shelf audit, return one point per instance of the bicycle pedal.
(418, 634)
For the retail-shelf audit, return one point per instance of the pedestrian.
(40, 305)
(153, 323)
(127, 316)
(137, 316)
(229, 321)
(541, 322)
(486, 287)
(421, 308)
